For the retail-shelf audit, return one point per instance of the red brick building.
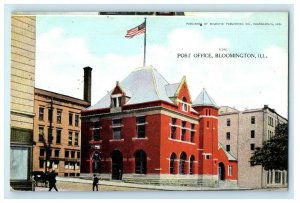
(146, 129)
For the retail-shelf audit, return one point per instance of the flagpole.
(144, 64)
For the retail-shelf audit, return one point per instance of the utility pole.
(50, 137)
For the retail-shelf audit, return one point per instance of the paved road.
(67, 186)
(87, 187)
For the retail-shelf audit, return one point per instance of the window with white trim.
(184, 106)
(192, 135)
(183, 130)
(140, 126)
(116, 124)
(96, 131)
(116, 100)
(173, 128)
(229, 170)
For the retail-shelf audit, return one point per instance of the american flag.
(136, 30)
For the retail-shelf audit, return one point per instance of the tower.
(208, 135)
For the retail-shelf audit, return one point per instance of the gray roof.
(229, 156)
(146, 84)
(171, 89)
(203, 99)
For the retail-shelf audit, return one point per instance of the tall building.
(22, 79)
(240, 132)
(57, 129)
(146, 129)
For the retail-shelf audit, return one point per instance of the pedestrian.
(95, 182)
(52, 180)
(120, 174)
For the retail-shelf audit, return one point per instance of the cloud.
(242, 83)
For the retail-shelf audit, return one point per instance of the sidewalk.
(146, 186)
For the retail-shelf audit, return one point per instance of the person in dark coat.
(95, 182)
(52, 180)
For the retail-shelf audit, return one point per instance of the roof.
(203, 99)
(230, 157)
(144, 84)
(61, 97)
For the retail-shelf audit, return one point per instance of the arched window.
(184, 104)
(182, 163)
(172, 163)
(140, 162)
(96, 162)
(192, 159)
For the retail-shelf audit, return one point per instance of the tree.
(274, 152)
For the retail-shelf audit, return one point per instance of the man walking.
(95, 182)
(52, 180)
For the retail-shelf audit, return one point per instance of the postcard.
(152, 101)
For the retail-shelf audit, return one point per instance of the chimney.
(87, 88)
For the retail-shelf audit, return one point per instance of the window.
(252, 119)
(207, 157)
(42, 152)
(229, 170)
(116, 101)
(252, 133)
(50, 137)
(116, 133)
(270, 121)
(76, 120)
(192, 159)
(140, 162)
(49, 114)
(228, 148)
(76, 139)
(184, 104)
(41, 134)
(117, 122)
(228, 136)
(172, 163)
(117, 129)
(182, 163)
(72, 154)
(192, 135)
(207, 124)
(41, 163)
(58, 116)
(70, 118)
(183, 130)
(252, 146)
(41, 113)
(228, 122)
(173, 128)
(67, 154)
(140, 122)
(78, 155)
(56, 153)
(70, 138)
(96, 131)
(58, 136)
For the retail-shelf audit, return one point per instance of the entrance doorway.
(117, 165)
(221, 171)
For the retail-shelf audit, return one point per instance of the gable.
(183, 91)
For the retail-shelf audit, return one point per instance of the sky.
(67, 43)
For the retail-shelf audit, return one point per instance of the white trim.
(116, 95)
(146, 123)
(116, 140)
(206, 154)
(176, 140)
(203, 116)
(139, 138)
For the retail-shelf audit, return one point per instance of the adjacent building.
(22, 78)
(240, 132)
(57, 129)
(146, 129)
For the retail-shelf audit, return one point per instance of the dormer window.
(116, 100)
(184, 104)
